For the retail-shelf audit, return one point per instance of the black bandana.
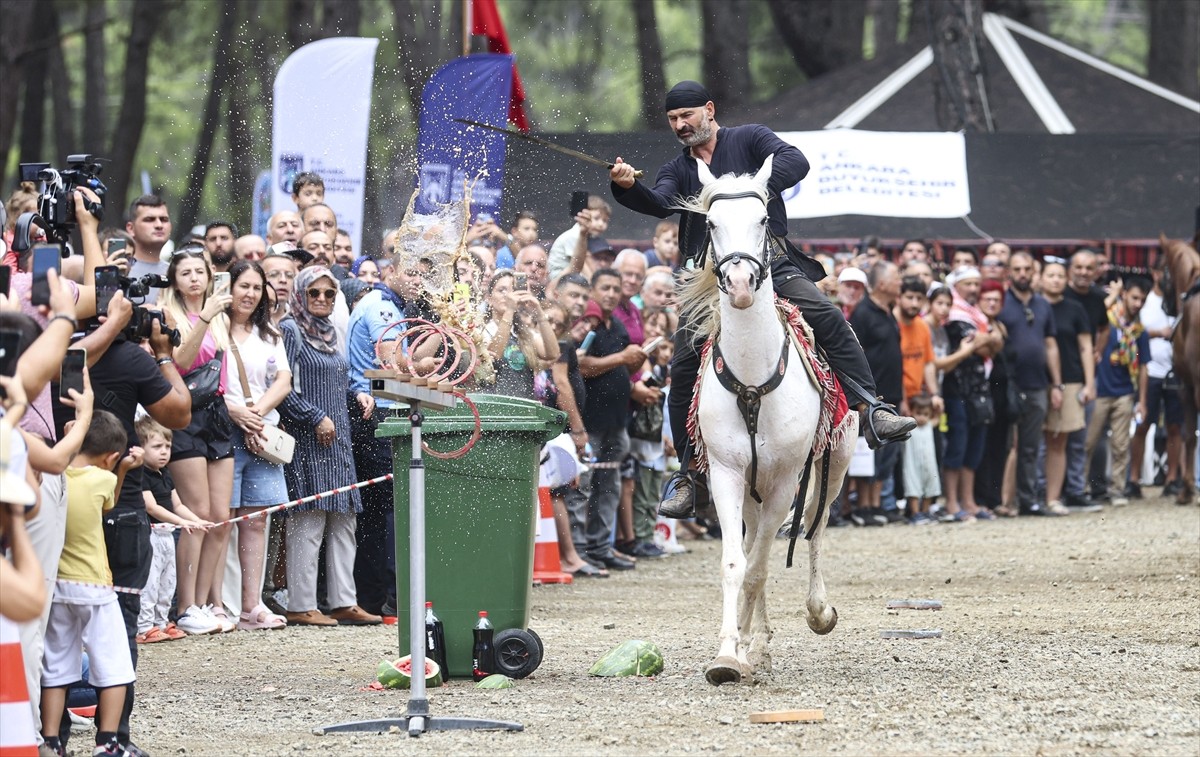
(687, 94)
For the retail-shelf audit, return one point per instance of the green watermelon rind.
(390, 675)
(495, 681)
(630, 658)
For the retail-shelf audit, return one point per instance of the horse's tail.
(699, 300)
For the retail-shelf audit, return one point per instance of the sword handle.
(637, 172)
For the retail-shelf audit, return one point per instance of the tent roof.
(1095, 100)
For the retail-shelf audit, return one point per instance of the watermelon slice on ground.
(630, 658)
(398, 674)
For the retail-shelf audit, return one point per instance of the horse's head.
(1180, 271)
(737, 230)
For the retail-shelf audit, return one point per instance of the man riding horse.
(739, 150)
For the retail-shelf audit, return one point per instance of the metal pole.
(418, 704)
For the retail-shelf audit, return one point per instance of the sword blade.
(545, 143)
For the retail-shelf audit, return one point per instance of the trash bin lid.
(496, 413)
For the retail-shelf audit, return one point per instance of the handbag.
(647, 423)
(981, 411)
(278, 446)
(204, 382)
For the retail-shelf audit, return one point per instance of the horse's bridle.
(759, 273)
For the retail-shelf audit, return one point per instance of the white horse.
(753, 471)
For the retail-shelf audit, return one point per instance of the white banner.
(875, 173)
(322, 109)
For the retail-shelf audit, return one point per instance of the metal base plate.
(418, 724)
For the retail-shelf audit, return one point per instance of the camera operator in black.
(739, 150)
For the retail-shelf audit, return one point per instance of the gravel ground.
(1078, 635)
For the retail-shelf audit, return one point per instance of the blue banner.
(476, 87)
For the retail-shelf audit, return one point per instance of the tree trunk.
(60, 90)
(960, 89)
(886, 15)
(1172, 56)
(145, 16)
(1029, 12)
(821, 34)
(726, 68)
(302, 22)
(419, 35)
(650, 61)
(241, 176)
(18, 21)
(342, 18)
(33, 111)
(212, 117)
(93, 121)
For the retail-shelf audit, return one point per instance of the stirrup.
(684, 493)
(874, 440)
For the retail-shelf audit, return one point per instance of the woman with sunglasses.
(201, 454)
(319, 413)
(259, 379)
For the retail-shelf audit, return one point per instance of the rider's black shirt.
(739, 150)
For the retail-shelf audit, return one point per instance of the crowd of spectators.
(1031, 378)
(1020, 373)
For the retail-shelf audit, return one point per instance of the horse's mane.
(699, 297)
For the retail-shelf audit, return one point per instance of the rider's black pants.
(829, 326)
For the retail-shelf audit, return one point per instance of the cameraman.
(38, 421)
(124, 376)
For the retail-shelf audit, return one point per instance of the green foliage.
(578, 59)
(1113, 30)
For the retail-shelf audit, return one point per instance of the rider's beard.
(702, 134)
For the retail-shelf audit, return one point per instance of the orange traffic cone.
(16, 716)
(547, 565)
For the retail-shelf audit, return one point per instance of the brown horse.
(1181, 297)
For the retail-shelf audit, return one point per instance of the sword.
(547, 143)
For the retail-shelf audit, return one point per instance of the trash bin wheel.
(518, 652)
(538, 639)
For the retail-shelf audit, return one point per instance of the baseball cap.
(601, 246)
(288, 248)
(851, 273)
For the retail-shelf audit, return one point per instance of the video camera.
(141, 321)
(56, 205)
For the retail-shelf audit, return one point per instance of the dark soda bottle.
(483, 660)
(435, 640)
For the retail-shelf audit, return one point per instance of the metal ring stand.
(416, 719)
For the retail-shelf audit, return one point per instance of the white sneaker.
(197, 622)
(226, 625)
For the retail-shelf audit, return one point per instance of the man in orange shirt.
(916, 345)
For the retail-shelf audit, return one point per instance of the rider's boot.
(883, 425)
(681, 494)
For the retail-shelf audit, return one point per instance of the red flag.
(485, 22)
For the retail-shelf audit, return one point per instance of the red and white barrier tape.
(276, 508)
(118, 589)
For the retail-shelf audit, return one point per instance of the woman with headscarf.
(318, 416)
(364, 268)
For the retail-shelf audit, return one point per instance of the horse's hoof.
(822, 630)
(723, 670)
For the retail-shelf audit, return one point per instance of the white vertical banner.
(877, 173)
(322, 109)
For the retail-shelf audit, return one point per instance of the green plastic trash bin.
(480, 516)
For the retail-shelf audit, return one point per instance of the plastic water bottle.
(272, 370)
(435, 640)
(483, 658)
